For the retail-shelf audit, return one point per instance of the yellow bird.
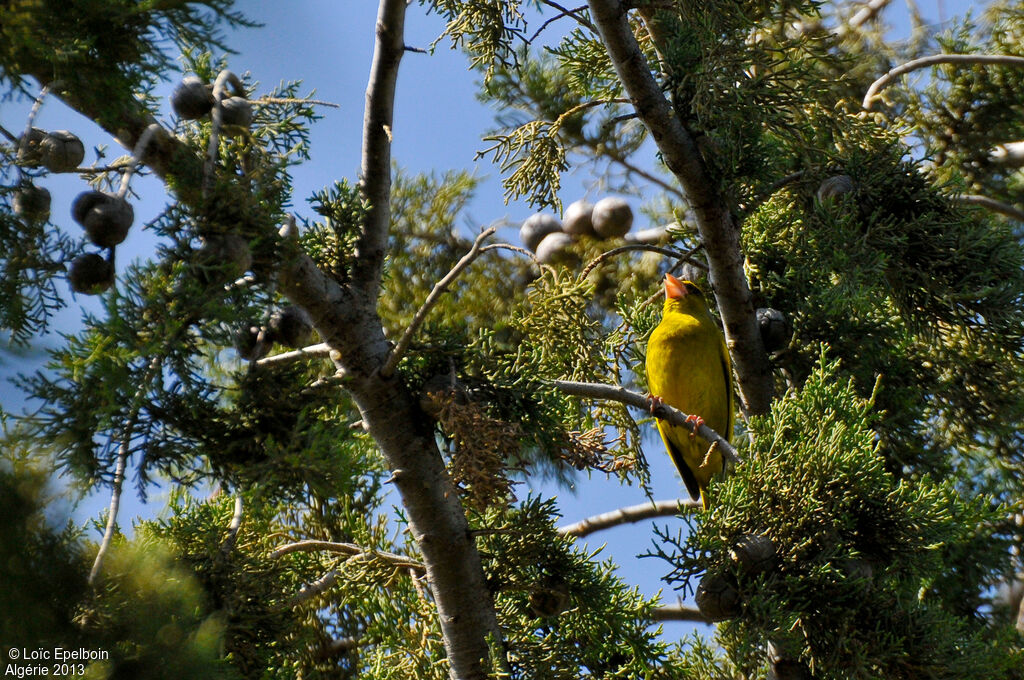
(688, 368)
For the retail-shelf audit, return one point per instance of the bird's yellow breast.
(685, 367)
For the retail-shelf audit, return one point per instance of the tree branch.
(351, 549)
(628, 515)
(993, 205)
(375, 167)
(678, 612)
(318, 351)
(667, 252)
(123, 450)
(115, 504)
(868, 12)
(934, 60)
(714, 222)
(236, 523)
(347, 320)
(563, 12)
(435, 294)
(308, 592)
(658, 409)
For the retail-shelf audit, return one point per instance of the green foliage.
(31, 260)
(332, 244)
(118, 47)
(425, 243)
(888, 482)
(146, 613)
(43, 570)
(901, 282)
(965, 111)
(848, 533)
(550, 106)
(536, 158)
(149, 613)
(486, 29)
(565, 614)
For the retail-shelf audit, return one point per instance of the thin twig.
(636, 170)
(115, 504)
(310, 591)
(514, 249)
(868, 12)
(332, 380)
(140, 148)
(627, 515)
(317, 351)
(574, 13)
(236, 523)
(123, 450)
(400, 561)
(678, 612)
(587, 105)
(658, 409)
(123, 166)
(439, 289)
(216, 119)
(934, 60)
(11, 137)
(571, 12)
(293, 100)
(993, 205)
(667, 252)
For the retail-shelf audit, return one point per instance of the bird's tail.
(705, 498)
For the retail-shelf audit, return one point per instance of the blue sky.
(438, 126)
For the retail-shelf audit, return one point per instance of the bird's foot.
(694, 422)
(655, 402)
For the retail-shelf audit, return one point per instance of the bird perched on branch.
(688, 368)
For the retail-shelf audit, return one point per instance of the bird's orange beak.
(674, 288)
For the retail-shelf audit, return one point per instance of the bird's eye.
(691, 289)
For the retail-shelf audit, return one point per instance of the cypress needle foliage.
(887, 478)
(846, 533)
(32, 258)
(428, 238)
(905, 284)
(43, 569)
(965, 112)
(565, 614)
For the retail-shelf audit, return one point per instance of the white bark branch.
(115, 504)
(375, 165)
(678, 612)
(351, 549)
(123, 450)
(658, 409)
(435, 294)
(627, 515)
(318, 351)
(993, 205)
(934, 60)
(236, 523)
(868, 12)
